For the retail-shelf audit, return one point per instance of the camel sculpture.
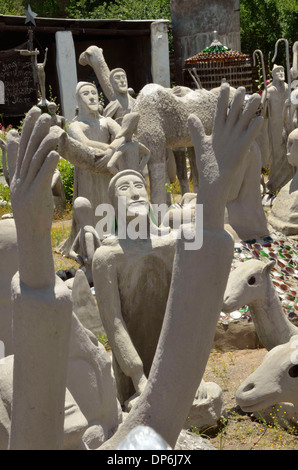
(163, 126)
(163, 118)
(274, 381)
(250, 284)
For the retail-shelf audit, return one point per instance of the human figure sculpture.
(274, 112)
(87, 239)
(51, 348)
(98, 132)
(122, 102)
(283, 216)
(196, 295)
(131, 154)
(40, 68)
(132, 280)
(94, 131)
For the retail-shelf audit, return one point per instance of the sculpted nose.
(248, 388)
(245, 394)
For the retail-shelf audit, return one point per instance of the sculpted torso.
(132, 280)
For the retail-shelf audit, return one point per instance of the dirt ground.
(241, 431)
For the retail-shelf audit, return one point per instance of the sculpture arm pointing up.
(199, 277)
(42, 308)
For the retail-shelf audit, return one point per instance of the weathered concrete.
(67, 73)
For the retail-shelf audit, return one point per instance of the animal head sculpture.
(275, 381)
(246, 284)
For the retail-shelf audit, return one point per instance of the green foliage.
(67, 171)
(103, 339)
(4, 192)
(120, 9)
(263, 22)
(9, 7)
(123, 10)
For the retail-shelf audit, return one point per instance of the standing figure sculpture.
(95, 131)
(280, 171)
(122, 102)
(40, 68)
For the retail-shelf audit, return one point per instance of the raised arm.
(75, 131)
(199, 277)
(42, 307)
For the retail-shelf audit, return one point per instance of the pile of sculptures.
(158, 296)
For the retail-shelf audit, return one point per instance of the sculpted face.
(119, 82)
(133, 189)
(89, 97)
(278, 74)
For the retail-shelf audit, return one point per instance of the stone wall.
(194, 22)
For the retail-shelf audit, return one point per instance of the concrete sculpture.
(95, 131)
(163, 125)
(42, 308)
(87, 240)
(75, 424)
(129, 274)
(40, 69)
(218, 158)
(122, 102)
(284, 214)
(251, 284)
(58, 344)
(131, 154)
(275, 131)
(279, 370)
(114, 83)
(8, 267)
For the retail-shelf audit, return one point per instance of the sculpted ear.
(268, 267)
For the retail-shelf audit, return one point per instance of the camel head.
(91, 54)
(246, 284)
(275, 381)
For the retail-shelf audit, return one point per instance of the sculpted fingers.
(196, 129)
(48, 144)
(39, 132)
(45, 172)
(222, 107)
(249, 113)
(236, 108)
(29, 123)
(251, 133)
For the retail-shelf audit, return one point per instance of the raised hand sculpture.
(197, 288)
(41, 328)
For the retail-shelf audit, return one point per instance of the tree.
(263, 22)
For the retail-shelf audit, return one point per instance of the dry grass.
(242, 431)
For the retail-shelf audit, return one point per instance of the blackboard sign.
(17, 74)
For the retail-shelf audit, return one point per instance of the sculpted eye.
(251, 281)
(293, 371)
